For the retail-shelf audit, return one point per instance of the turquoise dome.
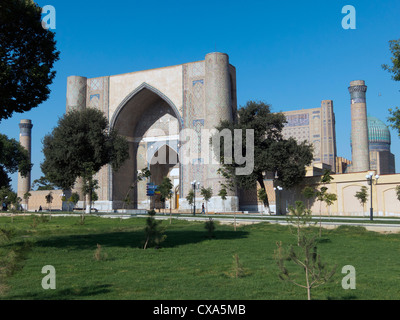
(378, 135)
(378, 131)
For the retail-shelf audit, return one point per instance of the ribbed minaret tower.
(359, 126)
(218, 97)
(24, 183)
(76, 100)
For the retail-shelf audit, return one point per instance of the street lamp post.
(194, 184)
(370, 179)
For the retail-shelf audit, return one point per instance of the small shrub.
(34, 223)
(352, 229)
(6, 234)
(154, 231)
(210, 227)
(9, 264)
(99, 254)
(237, 271)
(43, 218)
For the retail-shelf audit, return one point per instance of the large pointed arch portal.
(148, 119)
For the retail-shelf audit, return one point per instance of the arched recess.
(390, 203)
(350, 204)
(164, 162)
(148, 119)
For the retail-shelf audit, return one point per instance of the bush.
(99, 254)
(210, 227)
(154, 231)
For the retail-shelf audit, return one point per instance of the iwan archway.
(151, 124)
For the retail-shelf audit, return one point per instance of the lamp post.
(277, 190)
(195, 183)
(370, 179)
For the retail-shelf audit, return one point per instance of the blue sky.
(290, 54)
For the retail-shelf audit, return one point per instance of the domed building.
(380, 157)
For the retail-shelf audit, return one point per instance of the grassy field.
(188, 266)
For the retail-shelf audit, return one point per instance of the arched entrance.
(151, 124)
(164, 163)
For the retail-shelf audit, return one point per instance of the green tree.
(329, 199)
(262, 195)
(306, 256)
(89, 186)
(49, 199)
(394, 46)
(190, 197)
(5, 195)
(398, 192)
(80, 146)
(165, 189)
(223, 193)
(9, 198)
(43, 184)
(394, 119)
(142, 175)
(206, 194)
(95, 197)
(210, 227)
(362, 196)
(26, 197)
(308, 193)
(300, 217)
(13, 158)
(272, 153)
(154, 231)
(27, 55)
(74, 198)
(323, 195)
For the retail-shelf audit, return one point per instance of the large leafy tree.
(79, 146)
(394, 46)
(394, 69)
(13, 157)
(286, 158)
(27, 54)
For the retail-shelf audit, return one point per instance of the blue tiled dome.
(378, 132)
(378, 135)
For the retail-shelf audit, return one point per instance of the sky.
(289, 54)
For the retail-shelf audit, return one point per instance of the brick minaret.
(359, 126)
(24, 183)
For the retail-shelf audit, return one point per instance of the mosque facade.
(152, 109)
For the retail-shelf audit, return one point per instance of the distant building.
(342, 164)
(316, 126)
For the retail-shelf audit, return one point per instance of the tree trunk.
(260, 180)
(88, 202)
(145, 245)
(320, 219)
(170, 210)
(308, 285)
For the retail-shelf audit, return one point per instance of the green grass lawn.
(189, 265)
